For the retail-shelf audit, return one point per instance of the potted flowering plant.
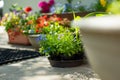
(64, 11)
(62, 46)
(80, 9)
(36, 25)
(11, 21)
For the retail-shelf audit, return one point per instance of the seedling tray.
(13, 55)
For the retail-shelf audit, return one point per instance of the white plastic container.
(101, 40)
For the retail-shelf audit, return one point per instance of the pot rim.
(33, 35)
(49, 58)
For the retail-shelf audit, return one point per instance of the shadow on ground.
(39, 69)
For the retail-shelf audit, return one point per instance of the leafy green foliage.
(66, 43)
(10, 21)
(99, 7)
(114, 7)
(15, 7)
(97, 14)
(53, 28)
(69, 1)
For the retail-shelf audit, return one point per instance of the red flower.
(45, 17)
(37, 30)
(39, 25)
(28, 9)
(59, 19)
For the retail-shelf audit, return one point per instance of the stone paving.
(39, 68)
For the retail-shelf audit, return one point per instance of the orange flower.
(40, 25)
(21, 31)
(45, 17)
(30, 22)
(55, 18)
(37, 26)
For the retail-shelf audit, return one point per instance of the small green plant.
(67, 43)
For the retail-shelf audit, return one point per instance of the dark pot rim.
(66, 63)
(49, 58)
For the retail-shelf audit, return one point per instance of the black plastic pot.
(66, 63)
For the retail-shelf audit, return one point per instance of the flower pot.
(69, 15)
(33, 40)
(101, 39)
(18, 38)
(65, 63)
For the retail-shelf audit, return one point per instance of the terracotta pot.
(18, 38)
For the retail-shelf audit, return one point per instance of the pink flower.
(42, 4)
(45, 7)
(51, 2)
(45, 10)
